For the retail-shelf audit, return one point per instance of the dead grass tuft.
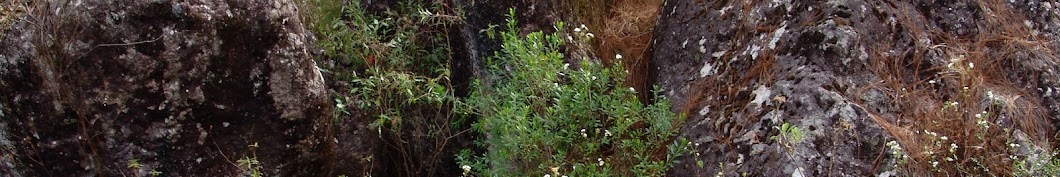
(625, 28)
(959, 111)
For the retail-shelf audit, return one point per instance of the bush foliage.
(540, 116)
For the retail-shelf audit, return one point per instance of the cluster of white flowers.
(582, 31)
(467, 169)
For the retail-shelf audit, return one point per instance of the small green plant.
(134, 164)
(1043, 165)
(395, 65)
(249, 164)
(789, 134)
(540, 116)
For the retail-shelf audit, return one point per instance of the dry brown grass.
(947, 114)
(624, 27)
(10, 12)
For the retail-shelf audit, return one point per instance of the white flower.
(466, 168)
(632, 90)
(601, 160)
(978, 115)
(578, 29)
(590, 35)
(618, 56)
(584, 134)
(583, 26)
(547, 175)
(971, 65)
(944, 138)
(607, 133)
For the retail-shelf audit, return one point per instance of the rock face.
(740, 69)
(176, 88)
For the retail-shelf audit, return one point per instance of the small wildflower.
(467, 169)
(632, 90)
(978, 115)
(618, 56)
(931, 82)
(607, 133)
(547, 175)
(944, 138)
(583, 26)
(930, 133)
(577, 29)
(601, 161)
(584, 134)
(555, 170)
(1014, 145)
(949, 159)
(590, 35)
(971, 65)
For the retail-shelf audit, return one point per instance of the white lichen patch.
(754, 51)
(718, 54)
(776, 36)
(762, 94)
(708, 69)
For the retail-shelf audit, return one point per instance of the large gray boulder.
(176, 88)
(840, 70)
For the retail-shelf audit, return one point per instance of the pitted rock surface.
(181, 88)
(740, 69)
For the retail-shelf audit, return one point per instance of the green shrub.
(395, 65)
(539, 116)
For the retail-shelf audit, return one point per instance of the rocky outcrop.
(852, 75)
(177, 88)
